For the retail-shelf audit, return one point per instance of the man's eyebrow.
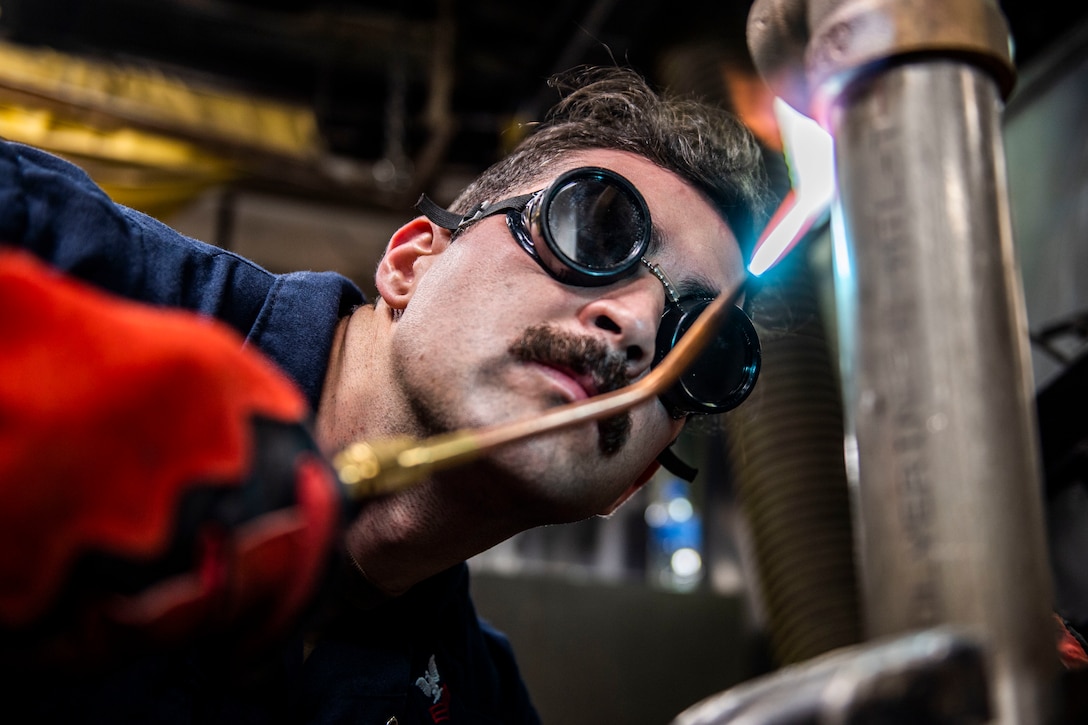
(697, 286)
(694, 286)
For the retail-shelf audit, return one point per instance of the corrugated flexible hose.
(785, 447)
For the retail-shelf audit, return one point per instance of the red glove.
(1071, 646)
(158, 483)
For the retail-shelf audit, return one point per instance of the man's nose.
(627, 314)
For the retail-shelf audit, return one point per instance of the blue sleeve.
(52, 209)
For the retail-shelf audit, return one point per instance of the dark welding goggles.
(590, 228)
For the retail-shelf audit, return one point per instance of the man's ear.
(406, 259)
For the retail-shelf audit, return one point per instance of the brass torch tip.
(356, 463)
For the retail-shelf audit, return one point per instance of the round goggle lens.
(595, 222)
(723, 374)
(725, 368)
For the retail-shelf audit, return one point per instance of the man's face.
(488, 337)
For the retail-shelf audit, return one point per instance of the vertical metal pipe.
(937, 383)
(940, 429)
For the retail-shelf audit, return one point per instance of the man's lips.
(577, 386)
(579, 367)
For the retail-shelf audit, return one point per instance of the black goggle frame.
(537, 220)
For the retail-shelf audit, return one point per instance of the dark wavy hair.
(615, 108)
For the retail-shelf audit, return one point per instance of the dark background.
(369, 66)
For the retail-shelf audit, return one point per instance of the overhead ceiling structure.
(397, 93)
(361, 101)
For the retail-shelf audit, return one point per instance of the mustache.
(582, 355)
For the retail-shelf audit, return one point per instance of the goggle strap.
(674, 465)
(442, 217)
(514, 203)
(452, 220)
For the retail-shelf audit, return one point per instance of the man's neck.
(354, 393)
(400, 539)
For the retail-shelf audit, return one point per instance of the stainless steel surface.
(941, 440)
(808, 50)
(937, 381)
(936, 676)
